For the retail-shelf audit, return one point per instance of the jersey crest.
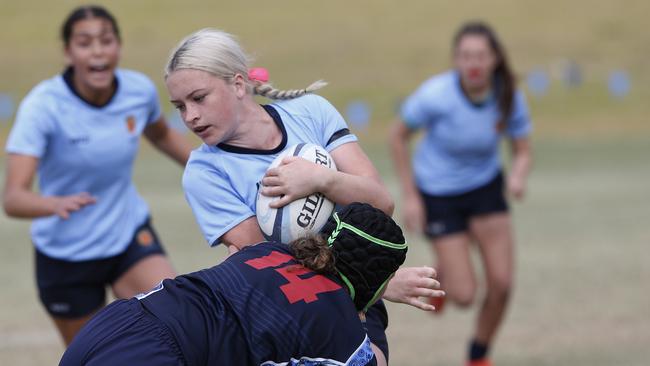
(130, 124)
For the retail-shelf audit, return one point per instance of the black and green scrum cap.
(368, 248)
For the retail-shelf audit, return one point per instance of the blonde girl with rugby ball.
(209, 81)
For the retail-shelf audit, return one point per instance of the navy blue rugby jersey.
(259, 307)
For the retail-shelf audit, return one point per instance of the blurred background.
(583, 235)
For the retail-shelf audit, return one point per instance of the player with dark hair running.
(454, 189)
(80, 132)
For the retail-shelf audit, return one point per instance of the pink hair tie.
(259, 74)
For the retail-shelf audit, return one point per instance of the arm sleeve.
(333, 129)
(418, 109)
(29, 134)
(216, 205)
(519, 124)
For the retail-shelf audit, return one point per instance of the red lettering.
(298, 288)
(272, 260)
(304, 288)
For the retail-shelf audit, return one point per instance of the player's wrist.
(325, 180)
(51, 204)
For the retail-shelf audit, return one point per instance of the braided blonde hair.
(219, 53)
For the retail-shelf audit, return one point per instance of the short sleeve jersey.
(221, 182)
(85, 148)
(259, 307)
(460, 149)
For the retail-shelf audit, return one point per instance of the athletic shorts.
(75, 289)
(123, 333)
(376, 324)
(450, 214)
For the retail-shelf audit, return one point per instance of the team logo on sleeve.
(130, 124)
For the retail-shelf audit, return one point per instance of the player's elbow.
(383, 199)
(8, 205)
(11, 202)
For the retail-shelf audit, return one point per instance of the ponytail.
(313, 252)
(268, 91)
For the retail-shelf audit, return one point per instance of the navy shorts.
(376, 324)
(123, 333)
(450, 214)
(75, 289)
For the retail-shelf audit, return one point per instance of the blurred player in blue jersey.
(80, 132)
(209, 81)
(454, 191)
(267, 304)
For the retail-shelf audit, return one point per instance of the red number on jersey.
(298, 288)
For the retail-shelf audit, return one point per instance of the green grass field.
(582, 258)
(582, 279)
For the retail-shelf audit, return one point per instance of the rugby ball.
(302, 216)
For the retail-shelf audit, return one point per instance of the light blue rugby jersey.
(460, 149)
(84, 148)
(220, 182)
